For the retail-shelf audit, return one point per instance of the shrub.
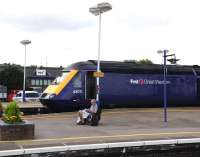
(1, 109)
(12, 114)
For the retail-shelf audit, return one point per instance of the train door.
(198, 87)
(90, 85)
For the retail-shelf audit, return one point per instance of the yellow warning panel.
(98, 74)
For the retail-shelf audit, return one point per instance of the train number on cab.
(77, 91)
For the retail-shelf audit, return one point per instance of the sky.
(64, 31)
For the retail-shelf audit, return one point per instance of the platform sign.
(98, 74)
(40, 72)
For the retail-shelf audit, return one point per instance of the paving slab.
(116, 125)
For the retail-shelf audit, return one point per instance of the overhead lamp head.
(173, 60)
(25, 42)
(162, 51)
(159, 51)
(166, 51)
(100, 8)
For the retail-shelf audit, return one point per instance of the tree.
(142, 61)
(145, 61)
(11, 77)
(131, 61)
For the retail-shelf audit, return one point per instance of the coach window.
(77, 81)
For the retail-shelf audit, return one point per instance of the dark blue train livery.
(124, 83)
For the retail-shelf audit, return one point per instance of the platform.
(116, 125)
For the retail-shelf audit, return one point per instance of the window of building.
(77, 81)
(41, 82)
(33, 82)
(37, 82)
(49, 82)
(45, 82)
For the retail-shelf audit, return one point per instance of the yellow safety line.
(110, 136)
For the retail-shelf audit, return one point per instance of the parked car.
(29, 96)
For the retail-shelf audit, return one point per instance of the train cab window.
(77, 81)
(59, 79)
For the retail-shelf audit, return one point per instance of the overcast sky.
(64, 31)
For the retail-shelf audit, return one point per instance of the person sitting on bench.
(84, 114)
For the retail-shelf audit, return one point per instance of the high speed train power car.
(124, 83)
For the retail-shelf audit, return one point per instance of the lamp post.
(24, 42)
(173, 61)
(97, 11)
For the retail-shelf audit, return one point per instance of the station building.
(38, 78)
(41, 77)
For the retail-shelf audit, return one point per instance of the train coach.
(124, 83)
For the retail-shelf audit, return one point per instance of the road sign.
(98, 74)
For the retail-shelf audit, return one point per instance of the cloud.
(142, 23)
(40, 23)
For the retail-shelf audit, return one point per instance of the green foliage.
(11, 76)
(12, 113)
(145, 61)
(1, 108)
(142, 61)
(131, 61)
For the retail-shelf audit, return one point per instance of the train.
(123, 84)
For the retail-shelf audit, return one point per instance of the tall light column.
(24, 42)
(165, 86)
(98, 60)
(173, 61)
(98, 10)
